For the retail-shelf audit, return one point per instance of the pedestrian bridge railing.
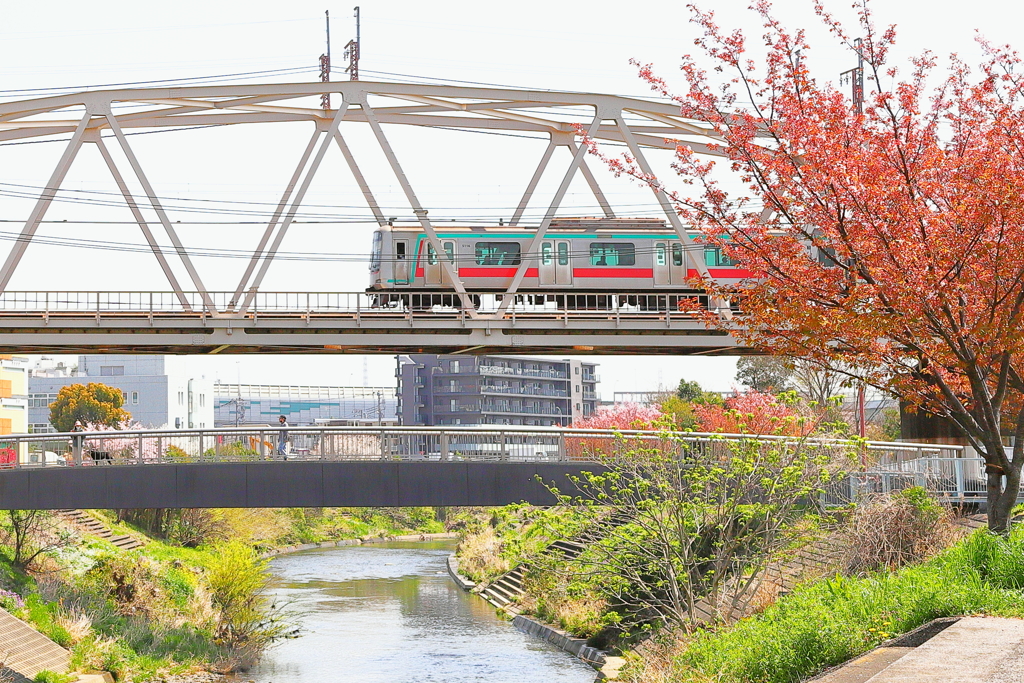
(455, 443)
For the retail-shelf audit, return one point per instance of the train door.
(662, 274)
(546, 267)
(433, 270)
(402, 262)
(563, 263)
(669, 263)
(677, 264)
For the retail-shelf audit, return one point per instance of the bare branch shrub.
(890, 531)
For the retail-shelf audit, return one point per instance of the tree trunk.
(1002, 491)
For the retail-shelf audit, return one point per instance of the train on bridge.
(644, 256)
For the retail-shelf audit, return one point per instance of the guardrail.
(676, 305)
(510, 443)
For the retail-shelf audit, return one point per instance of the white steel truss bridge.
(188, 317)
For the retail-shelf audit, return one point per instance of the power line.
(191, 79)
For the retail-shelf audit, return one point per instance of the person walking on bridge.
(282, 437)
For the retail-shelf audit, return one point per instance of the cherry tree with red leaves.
(886, 237)
(754, 412)
(621, 416)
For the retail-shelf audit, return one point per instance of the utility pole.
(352, 51)
(855, 77)
(325, 65)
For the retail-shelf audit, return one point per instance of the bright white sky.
(554, 44)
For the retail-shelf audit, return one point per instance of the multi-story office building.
(158, 391)
(452, 390)
(242, 404)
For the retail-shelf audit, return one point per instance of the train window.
(375, 253)
(563, 253)
(677, 254)
(498, 254)
(546, 257)
(400, 250)
(431, 255)
(660, 258)
(449, 250)
(713, 256)
(612, 254)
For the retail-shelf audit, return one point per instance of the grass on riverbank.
(161, 609)
(827, 622)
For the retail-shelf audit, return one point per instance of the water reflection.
(389, 612)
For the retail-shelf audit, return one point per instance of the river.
(390, 613)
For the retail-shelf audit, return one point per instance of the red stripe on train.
(495, 272)
(614, 272)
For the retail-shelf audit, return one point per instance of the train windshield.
(375, 253)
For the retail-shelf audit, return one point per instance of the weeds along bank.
(689, 597)
(190, 600)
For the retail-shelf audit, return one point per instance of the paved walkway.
(24, 652)
(973, 650)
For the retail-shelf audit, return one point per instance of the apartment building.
(502, 390)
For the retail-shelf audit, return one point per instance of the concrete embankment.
(607, 666)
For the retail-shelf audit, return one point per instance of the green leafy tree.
(92, 403)
(689, 391)
(238, 580)
(698, 523)
(766, 374)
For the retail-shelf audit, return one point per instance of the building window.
(135, 398)
(578, 406)
(453, 366)
(202, 400)
(111, 370)
(577, 370)
(181, 398)
(577, 388)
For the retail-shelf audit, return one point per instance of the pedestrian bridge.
(386, 466)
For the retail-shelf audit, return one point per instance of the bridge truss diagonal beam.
(133, 205)
(421, 214)
(272, 223)
(60, 171)
(154, 201)
(533, 248)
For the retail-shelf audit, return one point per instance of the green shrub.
(46, 676)
(830, 621)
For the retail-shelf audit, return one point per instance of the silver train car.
(613, 255)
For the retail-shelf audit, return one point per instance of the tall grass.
(830, 621)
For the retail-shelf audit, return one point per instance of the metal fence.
(509, 443)
(571, 304)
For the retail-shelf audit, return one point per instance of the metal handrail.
(224, 304)
(505, 442)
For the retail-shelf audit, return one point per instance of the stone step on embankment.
(95, 527)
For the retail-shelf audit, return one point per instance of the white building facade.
(158, 391)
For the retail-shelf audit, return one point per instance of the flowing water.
(390, 613)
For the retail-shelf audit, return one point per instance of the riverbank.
(162, 612)
(607, 666)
